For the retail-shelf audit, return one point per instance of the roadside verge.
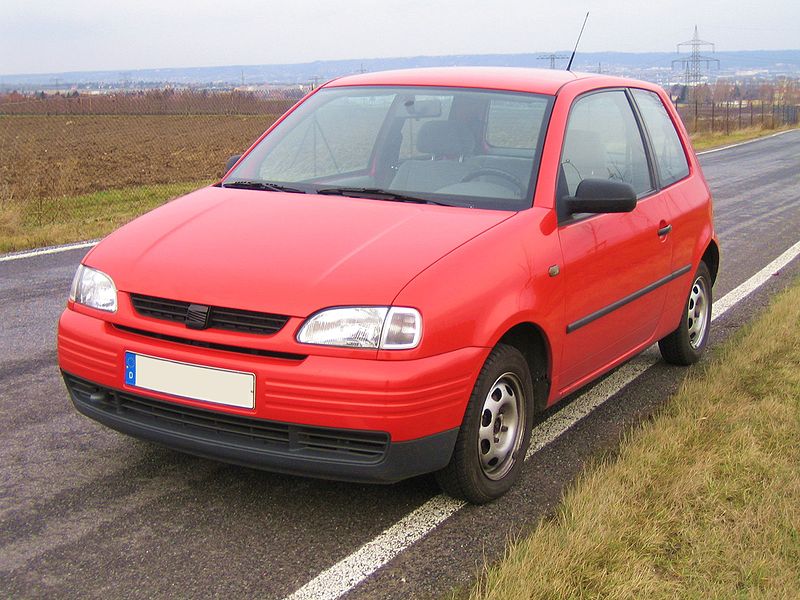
(702, 501)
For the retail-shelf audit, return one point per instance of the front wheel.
(495, 432)
(685, 345)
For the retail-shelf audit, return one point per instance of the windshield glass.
(460, 147)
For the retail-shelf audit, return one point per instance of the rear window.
(514, 123)
(670, 158)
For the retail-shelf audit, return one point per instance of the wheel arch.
(711, 258)
(532, 342)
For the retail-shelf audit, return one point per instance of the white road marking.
(48, 250)
(758, 139)
(740, 292)
(352, 570)
(355, 568)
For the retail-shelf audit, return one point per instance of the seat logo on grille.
(197, 316)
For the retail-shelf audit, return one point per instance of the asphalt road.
(87, 512)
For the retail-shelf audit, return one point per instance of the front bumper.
(327, 453)
(414, 406)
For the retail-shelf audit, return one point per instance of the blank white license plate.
(221, 386)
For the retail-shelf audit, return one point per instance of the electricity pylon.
(695, 62)
(552, 58)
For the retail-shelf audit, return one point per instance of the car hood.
(283, 253)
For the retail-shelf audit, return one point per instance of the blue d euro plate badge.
(130, 368)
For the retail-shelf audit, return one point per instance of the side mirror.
(602, 196)
(232, 160)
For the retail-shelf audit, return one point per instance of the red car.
(399, 274)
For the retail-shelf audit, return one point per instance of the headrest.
(445, 138)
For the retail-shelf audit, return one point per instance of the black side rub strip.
(627, 299)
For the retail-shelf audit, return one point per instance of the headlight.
(387, 328)
(94, 288)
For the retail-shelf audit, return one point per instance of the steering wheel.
(500, 174)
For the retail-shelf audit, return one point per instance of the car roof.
(539, 81)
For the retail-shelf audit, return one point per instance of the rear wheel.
(685, 345)
(495, 432)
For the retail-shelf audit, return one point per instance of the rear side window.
(603, 141)
(670, 158)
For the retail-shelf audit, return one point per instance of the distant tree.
(722, 90)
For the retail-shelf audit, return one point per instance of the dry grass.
(706, 140)
(703, 502)
(83, 217)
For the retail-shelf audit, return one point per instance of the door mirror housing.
(601, 196)
(232, 160)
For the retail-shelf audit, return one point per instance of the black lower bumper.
(328, 453)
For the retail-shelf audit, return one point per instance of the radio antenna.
(571, 58)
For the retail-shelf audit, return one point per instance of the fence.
(75, 166)
(732, 115)
(153, 102)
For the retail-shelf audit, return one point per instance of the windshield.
(459, 147)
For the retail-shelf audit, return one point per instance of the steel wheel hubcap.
(697, 313)
(501, 427)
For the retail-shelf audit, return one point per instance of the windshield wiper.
(377, 194)
(261, 185)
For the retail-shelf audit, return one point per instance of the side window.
(603, 141)
(670, 158)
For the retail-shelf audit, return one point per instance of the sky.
(48, 36)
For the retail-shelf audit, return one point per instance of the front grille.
(231, 319)
(212, 345)
(254, 434)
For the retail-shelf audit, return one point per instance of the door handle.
(664, 230)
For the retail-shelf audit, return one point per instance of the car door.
(615, 264)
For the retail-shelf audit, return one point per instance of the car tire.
(495, 432)
(685, 345)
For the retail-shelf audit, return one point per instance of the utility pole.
(552, 58)
(695, 62)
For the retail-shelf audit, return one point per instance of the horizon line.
(132, 70)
